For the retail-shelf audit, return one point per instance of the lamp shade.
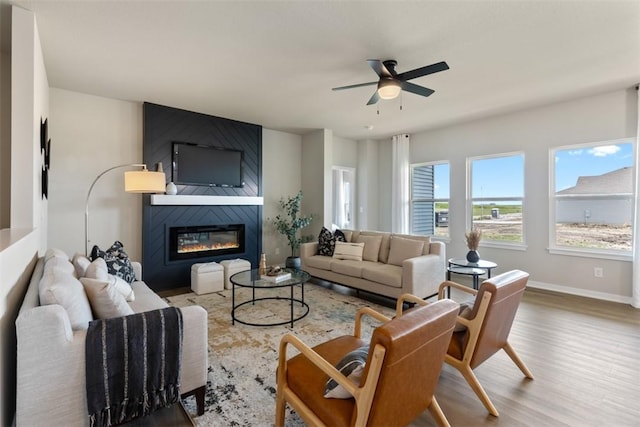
(144, 181)
(388, 88)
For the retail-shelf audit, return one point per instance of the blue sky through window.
(498, 177)
(504, 176)
(590, 161)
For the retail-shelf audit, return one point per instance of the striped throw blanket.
(133, 365)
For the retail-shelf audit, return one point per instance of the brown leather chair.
(488, 323)
(401, 372)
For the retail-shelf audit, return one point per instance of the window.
(430, 199)
(497, 195)
(592, 197)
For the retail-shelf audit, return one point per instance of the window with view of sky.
(497, 194)
(593, 196)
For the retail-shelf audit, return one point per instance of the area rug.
(241, 384)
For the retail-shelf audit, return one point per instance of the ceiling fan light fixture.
(388, 88)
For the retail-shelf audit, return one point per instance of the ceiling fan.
(391, 83)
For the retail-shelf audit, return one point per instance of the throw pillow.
(351, 366)
(118, 262)
(81, 263)
(402, 249)
(98, 270)
(106, 301)
(327, 241)
(59, 286)
(350, 251)
(54, 253)
(371, 247)
(465, 312)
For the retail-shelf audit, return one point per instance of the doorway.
(344, 197)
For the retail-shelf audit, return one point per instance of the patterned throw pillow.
(327, 241)
(117, 260)
(352, 367)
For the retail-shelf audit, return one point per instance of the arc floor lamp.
(137, 181)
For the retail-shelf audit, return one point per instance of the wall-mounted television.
(195, 164)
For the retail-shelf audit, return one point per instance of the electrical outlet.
(277, 251)
(598, 272)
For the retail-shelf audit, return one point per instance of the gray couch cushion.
(371, 247)
(383, 255)
(146, 299)
(386, 274)
(425, 239)
(320, 261)
(402, 249)
(347, 267)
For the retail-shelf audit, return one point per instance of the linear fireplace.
(205, 241)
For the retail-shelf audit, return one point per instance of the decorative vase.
(263, 264)
(171, 189)
(293, 262)
(473, 256)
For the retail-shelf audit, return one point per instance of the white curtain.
(400, 184)
(635, 289)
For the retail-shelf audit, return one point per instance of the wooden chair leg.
(516, 359)
(437, 414)
(280, 407)
(468, 375)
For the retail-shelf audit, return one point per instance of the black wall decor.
(165, 125)
(45, 154)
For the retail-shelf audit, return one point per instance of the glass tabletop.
(470, 271)
(253, 279)
(462, 262)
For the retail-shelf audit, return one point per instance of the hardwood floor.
(585, 357)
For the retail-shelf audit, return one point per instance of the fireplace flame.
(198, 247)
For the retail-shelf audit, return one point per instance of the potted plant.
(290, 223)
(473, 241)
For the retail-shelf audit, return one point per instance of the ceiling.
(274, 63)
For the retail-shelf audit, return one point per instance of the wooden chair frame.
(473, 326)
(363, 395)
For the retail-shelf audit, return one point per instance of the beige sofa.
(51, 381)
(398, 264)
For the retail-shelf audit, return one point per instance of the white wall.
(20, 244)
(367, 185)
(317, 154)
(603, 117)
(90, 135)
(344, 152)
(281, 177)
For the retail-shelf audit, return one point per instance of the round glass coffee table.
(251, 279)
(475, 269)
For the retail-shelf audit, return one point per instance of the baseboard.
(579, 292)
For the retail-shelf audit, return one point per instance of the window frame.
(470, 201)
(434, 163)
(553, 247)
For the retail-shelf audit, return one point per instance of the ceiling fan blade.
(423, 71)
(379, 67)
(418, 90)
(352, 86)
(375, 98)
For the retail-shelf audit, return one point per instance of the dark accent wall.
(165, 125)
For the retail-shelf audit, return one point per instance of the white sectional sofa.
(392, 264)
(51, 381)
